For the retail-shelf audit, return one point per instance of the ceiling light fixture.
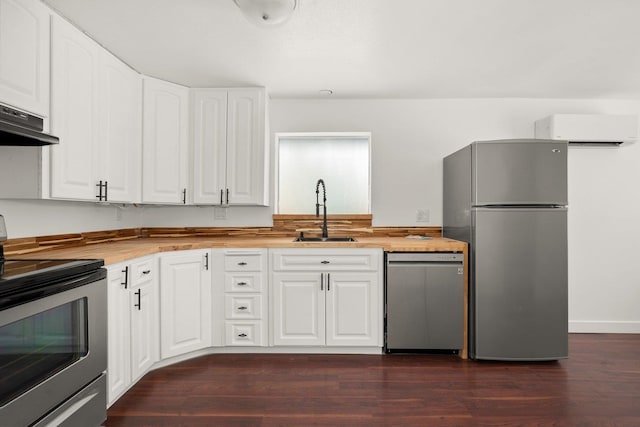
(267, 13)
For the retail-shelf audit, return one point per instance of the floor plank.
(598, 385)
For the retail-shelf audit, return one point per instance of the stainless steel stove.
(53, 342)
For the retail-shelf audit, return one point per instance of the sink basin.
(325, 239)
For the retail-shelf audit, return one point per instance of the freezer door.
(519, 172)
(519, 284)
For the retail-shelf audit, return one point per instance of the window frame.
(314, 135)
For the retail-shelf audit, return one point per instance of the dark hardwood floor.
(599, 385)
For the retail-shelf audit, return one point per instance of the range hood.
(589, 129)
(22, 129)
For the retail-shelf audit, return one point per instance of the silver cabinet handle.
(322, 281)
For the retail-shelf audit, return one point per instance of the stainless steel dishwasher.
(424, 301)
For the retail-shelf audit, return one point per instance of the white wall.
(409, 139)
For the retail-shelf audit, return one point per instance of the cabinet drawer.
(243, 334)
(238, 282)
(142, 271)
(243, 306)
(334, 260)
(244, 262)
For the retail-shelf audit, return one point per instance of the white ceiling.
(380, 48)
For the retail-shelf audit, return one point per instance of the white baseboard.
(604, 327)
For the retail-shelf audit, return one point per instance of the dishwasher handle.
(424, 257)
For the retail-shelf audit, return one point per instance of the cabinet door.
(164, 142)
(185, 302)
(353, 312)
(210, 146)
(120, 130)
(144, 328)
(118, 326)
(247, 172)
(24, 55)
(298, 309)
(74, 63)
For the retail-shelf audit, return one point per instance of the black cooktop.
(27, 279)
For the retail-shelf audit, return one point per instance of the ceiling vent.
(589, 129)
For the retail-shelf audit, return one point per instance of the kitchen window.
(342, 160)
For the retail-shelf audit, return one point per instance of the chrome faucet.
(325, 232)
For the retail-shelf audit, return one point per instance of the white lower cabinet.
(329, 297)
(185, 302)
(225, 297)
(133, 333)
(240, 299)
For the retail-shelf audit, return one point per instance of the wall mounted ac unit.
(589, 129)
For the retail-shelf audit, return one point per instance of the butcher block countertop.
(118, 251)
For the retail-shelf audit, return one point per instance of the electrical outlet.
(219, 212)
(422, 215)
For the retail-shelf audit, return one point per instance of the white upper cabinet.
(74, 112)
(230, 162)
(120, 130)
(96, 113)
(165, 142)
(24, 55)
(209, 145)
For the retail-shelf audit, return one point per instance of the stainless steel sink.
(324, 239)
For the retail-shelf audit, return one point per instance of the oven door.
(50, 349)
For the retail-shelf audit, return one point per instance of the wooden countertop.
(118, 251)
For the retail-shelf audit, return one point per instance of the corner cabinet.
(24, 55)
(120, 130)
(185, 302)
(165, 148)
(329, 297)
(133, 332)
(230, 144)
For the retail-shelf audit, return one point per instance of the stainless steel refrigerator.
(508, 200)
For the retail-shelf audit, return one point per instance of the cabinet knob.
(242, 263)
(242, 307)
(243, 335)
(146, 272)
(242, 283)
(325, 262)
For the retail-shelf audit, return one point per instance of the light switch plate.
(219, 213)
(422, 215)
